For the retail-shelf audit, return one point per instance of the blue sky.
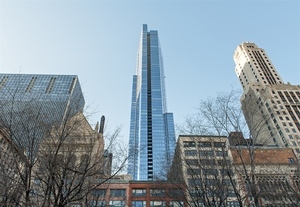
(98, 41)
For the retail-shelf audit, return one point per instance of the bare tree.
(220, 116)
(25, 128)
(216, 116)
(203, 165)
(61, 158)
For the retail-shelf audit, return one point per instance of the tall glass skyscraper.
(32, 102)
(152, 134)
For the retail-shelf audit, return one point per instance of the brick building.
(233, 171)
(127, 193)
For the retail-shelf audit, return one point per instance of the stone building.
(271, 107)
(71, 158)
(203, 165)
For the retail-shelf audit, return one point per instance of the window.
(205, 144)
(226, 172)
(157, 193)
(191, 162)
(99, 192)
(31, 84)
(291, 160)
(194, 182)
(223, 162)
(190, 152)
(50, 85)
(138, 192)
(218, 144)
(210, 171)
(97, 203)
(189, 144)
(176, 204)
(222, 153)
(233, 204)
(117, 193)
(138, 203)
(207, 162)
(157, 203)
(206, 153)
(117, 203)
(194, 172)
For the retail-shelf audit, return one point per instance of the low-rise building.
(268, 176)
(233, 171)
(203, 164)
(129, 193)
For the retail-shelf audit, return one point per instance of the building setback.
(271, 107)
(152, 134)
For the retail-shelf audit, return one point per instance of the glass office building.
(152, 134)
(30, 102)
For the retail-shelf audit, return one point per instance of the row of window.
(138, 192)
(121, 203)
(209, 162)
(204, 144)
(205, 153)
(209, 171)
(41, 84)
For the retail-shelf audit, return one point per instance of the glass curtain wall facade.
(33, 102)
(152, 134)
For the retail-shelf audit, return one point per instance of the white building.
(271, 107)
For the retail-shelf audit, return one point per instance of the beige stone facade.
(70, 161)
(271, 107)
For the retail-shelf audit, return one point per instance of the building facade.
(33, 103)
(203, 165)
(152, 134)
(271, 107)
(126, 193)
(267, 176)
(231, 172)
(75, 154)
